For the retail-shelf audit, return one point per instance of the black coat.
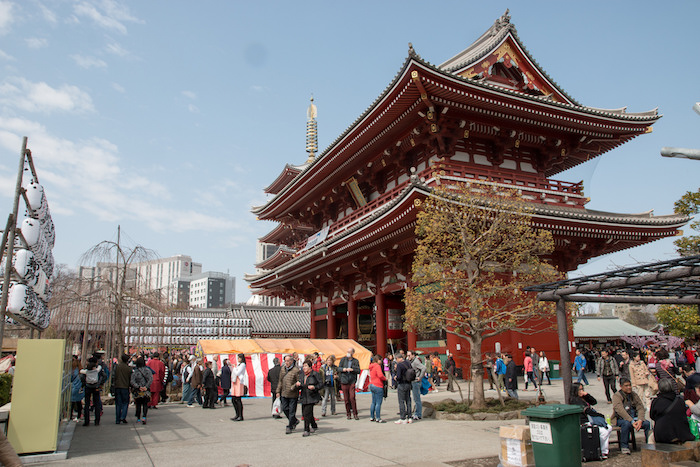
(348, 377)
(225, 378)
(208, 380)
(310, 396)
(511, 378)
(273, 376)
(672, 426)
(586, 402)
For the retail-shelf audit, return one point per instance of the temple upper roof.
(508, 84)
(286, 176)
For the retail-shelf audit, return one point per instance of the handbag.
(680, 385)
(276, 407)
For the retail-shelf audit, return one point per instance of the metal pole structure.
(564, 357)
(12, 227)
(88, 312)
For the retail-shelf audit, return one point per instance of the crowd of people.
(503, 373)
(655, 383)
(143, 379)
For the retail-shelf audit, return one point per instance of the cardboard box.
(516, 448)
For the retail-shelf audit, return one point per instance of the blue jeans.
(187, 393)
(512, 393)
(582, 376)
(121, 402)
(376, 407)
(415, 389)
(626, 428)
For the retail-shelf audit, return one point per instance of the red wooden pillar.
(313, 324)
(352, 319)
(331, 321)
(381, 318)
(412, 340)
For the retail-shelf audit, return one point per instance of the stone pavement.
(177, 435)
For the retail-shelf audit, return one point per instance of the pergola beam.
(694, 300)
(644, 279)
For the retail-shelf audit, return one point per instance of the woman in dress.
(377, 381)
(141, 380)
(309, 383)
(238, 383)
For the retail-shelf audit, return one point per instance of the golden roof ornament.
(311, 131)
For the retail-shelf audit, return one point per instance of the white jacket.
(543, 365)
(239, 373)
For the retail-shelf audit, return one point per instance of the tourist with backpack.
(416, 384)
(93, 378)
(405, 375)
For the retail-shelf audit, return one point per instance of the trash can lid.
(552, 411)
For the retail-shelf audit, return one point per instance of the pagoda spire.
(311, 131)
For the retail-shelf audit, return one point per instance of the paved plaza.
(177, 435)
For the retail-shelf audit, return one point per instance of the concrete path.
(177, 435)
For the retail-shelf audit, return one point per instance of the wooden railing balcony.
(532, 188)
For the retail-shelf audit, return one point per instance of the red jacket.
(376, 375)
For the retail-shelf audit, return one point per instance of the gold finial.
(311, 131)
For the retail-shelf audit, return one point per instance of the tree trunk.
(477, 372)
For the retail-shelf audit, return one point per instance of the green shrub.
(5, 386)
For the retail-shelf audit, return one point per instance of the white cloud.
(21, 93)
(49, 15)
(88, 62)
(117, 50)
(6, 16)
(118, 87)
(88, 178)
(36, 42)
(106, 14)
(5, 56)
(193, 108)
(257, 88)
(189, 95)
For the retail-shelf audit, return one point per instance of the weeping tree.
(475, 252)
(115, 261)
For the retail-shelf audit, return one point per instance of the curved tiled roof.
(486, 44)
(580, 214)
(618, 115)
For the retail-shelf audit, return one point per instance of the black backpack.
(410, 375)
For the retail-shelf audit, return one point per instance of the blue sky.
(170, 117)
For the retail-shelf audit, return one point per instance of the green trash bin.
(555, 432)
(554, 369)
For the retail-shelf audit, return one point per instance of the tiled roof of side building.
(279, 321)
